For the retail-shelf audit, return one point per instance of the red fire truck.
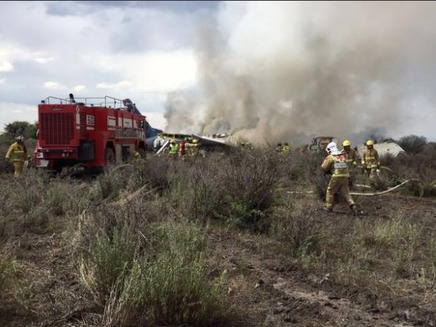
(87, 132)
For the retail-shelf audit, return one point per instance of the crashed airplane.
(383, 148)
(216, 142)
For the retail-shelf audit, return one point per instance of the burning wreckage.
(217, 142)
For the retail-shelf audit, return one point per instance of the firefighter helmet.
(194, 141)
(19, 138)
(369, 142)
(346, 143)
(331, 148)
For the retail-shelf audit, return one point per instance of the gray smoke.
(280, 71)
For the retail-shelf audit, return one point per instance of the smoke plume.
(282, 71)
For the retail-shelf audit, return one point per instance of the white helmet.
(332, 148)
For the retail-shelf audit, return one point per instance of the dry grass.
(130, 247)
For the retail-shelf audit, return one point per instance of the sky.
(263, 71)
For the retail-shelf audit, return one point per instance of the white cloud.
(53, 86)
(11, 112)
(150, 71)
(11, 52)
(156, 120)
(122, 85)
(43, 60)
(79, 88)
(6, 66)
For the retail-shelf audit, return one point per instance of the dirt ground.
(265, 288)
(271, 290)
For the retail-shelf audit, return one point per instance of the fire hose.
(367, 186)
(363, 194)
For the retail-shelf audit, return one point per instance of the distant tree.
(12, 130)
(413, 143)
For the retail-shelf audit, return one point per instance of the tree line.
(16, 128)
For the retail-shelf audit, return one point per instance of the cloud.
(50, 85)
(264, 69)
(277, 70)
(5, 66)
(150, 72)
(123, 85)
(43, 60)
(79, 88)
(17, 112)
(68, 8)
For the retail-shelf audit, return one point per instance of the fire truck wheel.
(109, 156)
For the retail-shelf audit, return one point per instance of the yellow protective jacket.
(286, 149)
(370, 159)
(336, 165)
(350, 158)
(192, 149)
(17, 152)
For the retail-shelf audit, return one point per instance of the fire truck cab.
(87, 132)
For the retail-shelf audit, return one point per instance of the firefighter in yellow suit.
(371, 160)
(192, 148)
(17, 153)
(335, 165)
(351, 158)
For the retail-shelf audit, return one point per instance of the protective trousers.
(371, 173)
(18, 168)
(338, 184)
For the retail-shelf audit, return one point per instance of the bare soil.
(269, 289)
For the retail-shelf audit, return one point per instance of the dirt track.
(271, 290)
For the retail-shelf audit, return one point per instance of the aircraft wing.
(162, 147)
(177, 136)
(206, 140)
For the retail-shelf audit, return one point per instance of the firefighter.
(182, 147)
(158, 142)
(370, 161)
(351, 160)
(286, 148)
(193, 148)
(72, 100)
(335, 165)
(173, 149)
(279, 147)
(17, 153)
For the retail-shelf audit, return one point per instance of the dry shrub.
(298, 225)
(249, 180)
(158, 171)
(117, 179)
(7, 273)
(419, 168)
(6, 167)
(196, 189)
(237, 188)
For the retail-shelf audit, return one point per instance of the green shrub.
(109, 257)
